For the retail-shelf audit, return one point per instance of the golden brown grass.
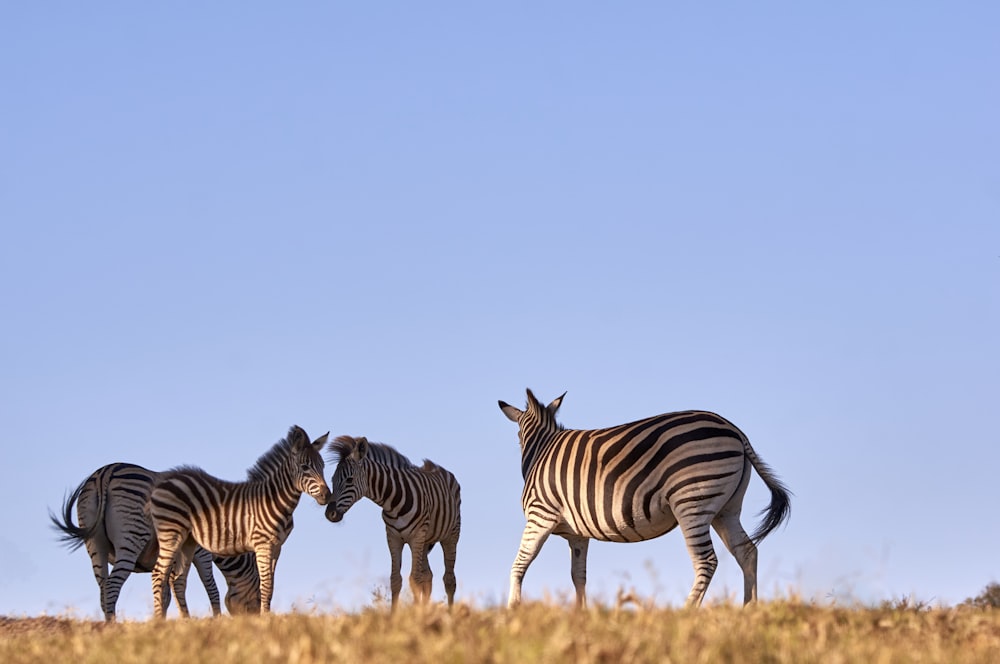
(782, 631)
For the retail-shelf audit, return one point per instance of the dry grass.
(784, 631)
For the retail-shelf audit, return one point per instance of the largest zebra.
(115, 531)
(189, 507)
(637, 481)
(421, 505)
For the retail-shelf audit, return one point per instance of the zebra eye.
(305, 466)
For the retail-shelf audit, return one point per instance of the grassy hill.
(782, 631)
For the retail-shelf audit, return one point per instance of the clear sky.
(380, 218)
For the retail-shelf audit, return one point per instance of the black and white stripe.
(116, 531)
(421, 505)
(637, 481)
(243, 580)
(188, 506)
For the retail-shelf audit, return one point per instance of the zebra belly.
(620, 529)
(222, 544)
(645, 529)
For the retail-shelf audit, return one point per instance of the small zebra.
(188, 507)
(637, 481)
(115, 531)
(421, 505)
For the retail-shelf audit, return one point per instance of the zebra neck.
(281, 492)
(535, 448)
(386, 488)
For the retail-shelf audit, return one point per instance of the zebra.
(188, 507)
(637, 481)
(109, 505)
(421, 505)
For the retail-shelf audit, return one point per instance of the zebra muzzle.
(332, 514)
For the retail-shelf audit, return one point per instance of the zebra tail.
(780, 507)
(72, 535)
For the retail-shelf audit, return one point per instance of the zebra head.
(535, 424)
(535, 419)
(306, 464)
(350, 481)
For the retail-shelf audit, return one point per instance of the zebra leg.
(699, 545)
(121, 568)
(743, 549)
(536, 531)
(395, 542)
(129, 549)
(203, 563)
(267, 560)
(420, 572)
(98, 550)
(179, 576)
(169, 544)
(89, 514)
(178, 581)
(578, 568)
(135, 550)
(450, 549)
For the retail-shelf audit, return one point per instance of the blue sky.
(379, 219)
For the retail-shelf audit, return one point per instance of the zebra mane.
(387, 455)
(186, 469)
(339, 448)
(384, 455)
(270, 461)
(538, 409)
(430, 467)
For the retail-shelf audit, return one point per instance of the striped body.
(635, 482)
(421, 506)
(189, 507)
(115, 530)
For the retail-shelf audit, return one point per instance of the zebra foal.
(635, 482)
(115, 530)
(421, 505)
(189, 507)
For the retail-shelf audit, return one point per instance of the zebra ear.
(360, 448)
(513, 414)
(320, 442)
(554, 406)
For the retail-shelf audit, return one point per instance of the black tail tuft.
(777, 512)
(71, 535)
